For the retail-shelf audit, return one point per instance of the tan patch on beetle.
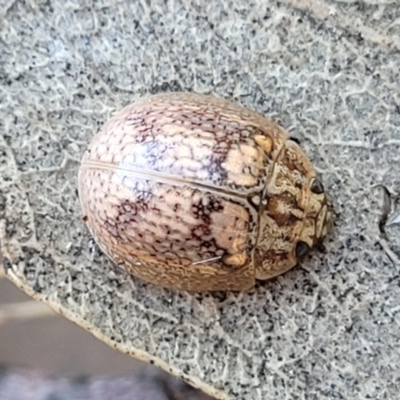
(265, 143)
(244, 165)
(236, 260)
(230, 227)
(196, 193)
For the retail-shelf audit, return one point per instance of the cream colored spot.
(239, 161)
(264, 142)
(256, 200)
(230, 227)
(236, 260)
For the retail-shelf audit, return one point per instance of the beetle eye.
(294, 139)
(302, 249)
(316, 186)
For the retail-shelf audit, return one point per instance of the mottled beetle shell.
(195, 193)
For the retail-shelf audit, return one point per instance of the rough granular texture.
(326, 71)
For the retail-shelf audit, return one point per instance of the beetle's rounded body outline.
(193, 192)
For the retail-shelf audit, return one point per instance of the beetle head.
(317, 220)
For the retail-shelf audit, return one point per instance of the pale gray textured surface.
(327, 71)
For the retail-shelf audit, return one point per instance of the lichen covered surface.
(326, 71)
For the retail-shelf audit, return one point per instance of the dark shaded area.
(149, 384)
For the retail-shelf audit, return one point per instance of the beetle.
(194, 192)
